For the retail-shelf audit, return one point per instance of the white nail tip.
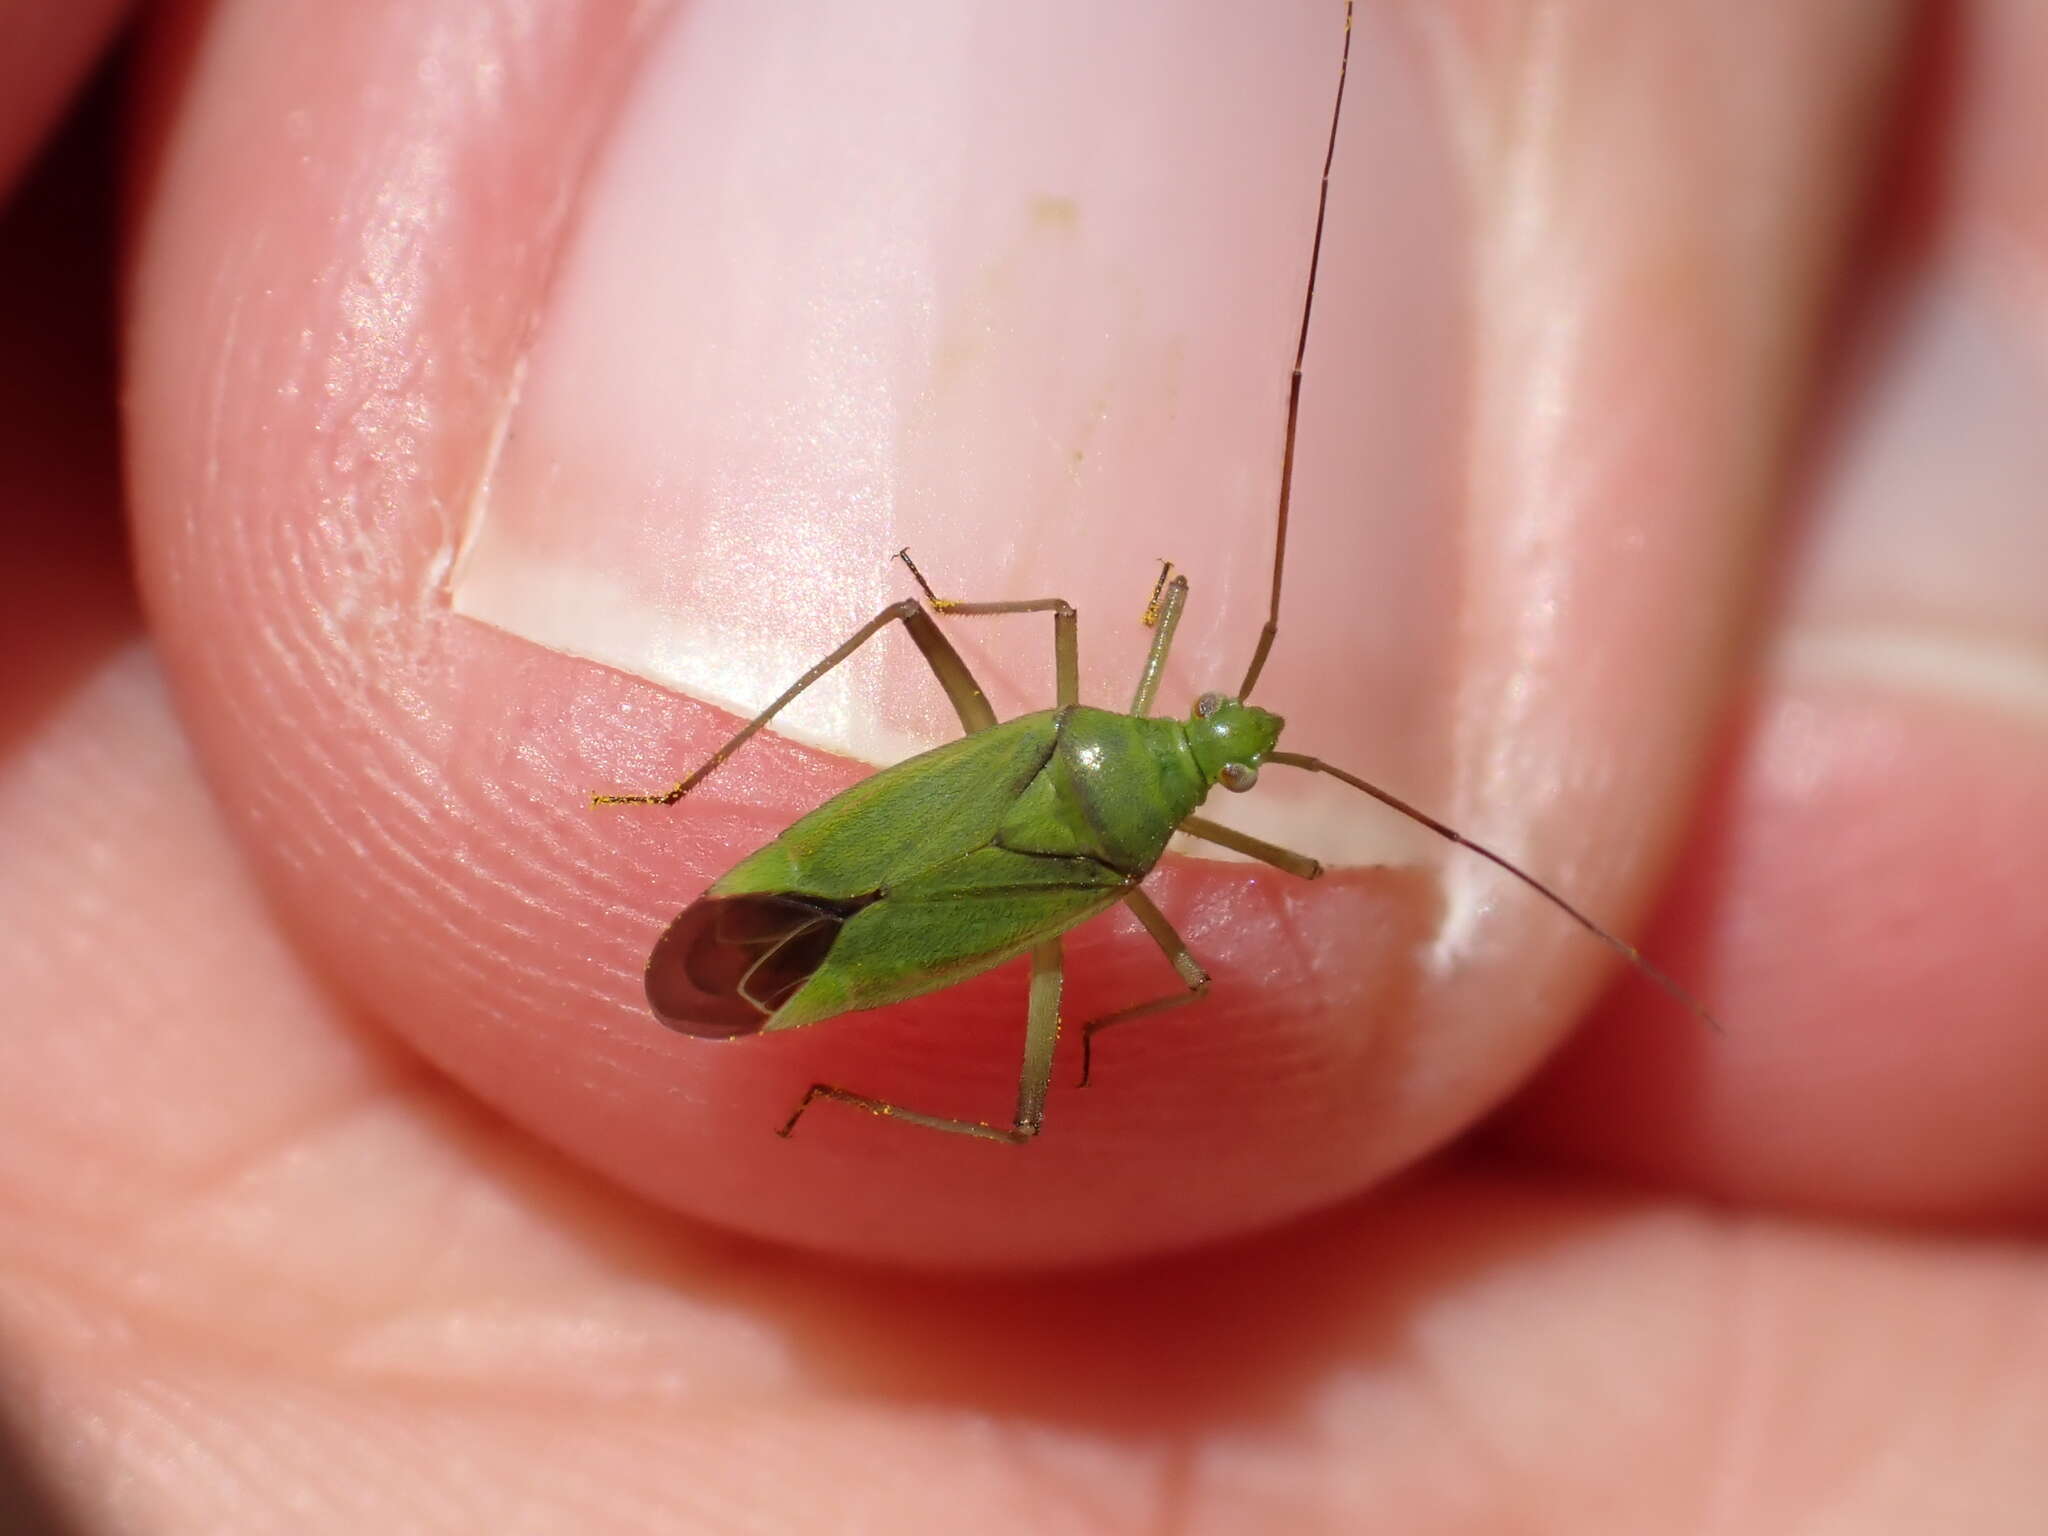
(2010, 678)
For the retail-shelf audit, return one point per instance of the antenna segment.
(1308, 304)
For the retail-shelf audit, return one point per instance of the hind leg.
(968, 701)
(1041, 1034)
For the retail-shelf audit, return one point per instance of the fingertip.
(416, 785)
(376, 346)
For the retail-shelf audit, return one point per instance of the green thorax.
(1112, 789)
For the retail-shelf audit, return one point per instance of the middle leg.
(1066, 653)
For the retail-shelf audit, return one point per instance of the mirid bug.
(993, 846)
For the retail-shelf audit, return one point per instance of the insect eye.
(1238, 776)
(1208, 704)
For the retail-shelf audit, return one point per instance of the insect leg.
(1169, 609)
(1041, 1034)
(1192, 976)
(1255, 847)
(1066, 655)
(961, 690)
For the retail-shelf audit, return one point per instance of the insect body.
(943, 866)
(993, 846)
(948, 864)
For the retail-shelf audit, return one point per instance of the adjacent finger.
(1862, 901)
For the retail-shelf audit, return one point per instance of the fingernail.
(1925, 568)
(1019, 291)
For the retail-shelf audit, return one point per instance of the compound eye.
(1207, 705)
(1237, 776)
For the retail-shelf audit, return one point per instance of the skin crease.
(288, 1240)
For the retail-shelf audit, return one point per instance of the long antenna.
(1621, 946)
(1308, 304)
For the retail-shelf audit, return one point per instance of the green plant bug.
(994, 845)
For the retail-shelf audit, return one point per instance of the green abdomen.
(1113, 790)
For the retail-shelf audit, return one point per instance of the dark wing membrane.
(728, 962)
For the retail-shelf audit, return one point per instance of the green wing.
(946, 924)
(891, 890)
(904, 820)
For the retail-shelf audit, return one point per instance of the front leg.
(1254, 847)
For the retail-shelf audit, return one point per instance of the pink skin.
(258, 1268)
